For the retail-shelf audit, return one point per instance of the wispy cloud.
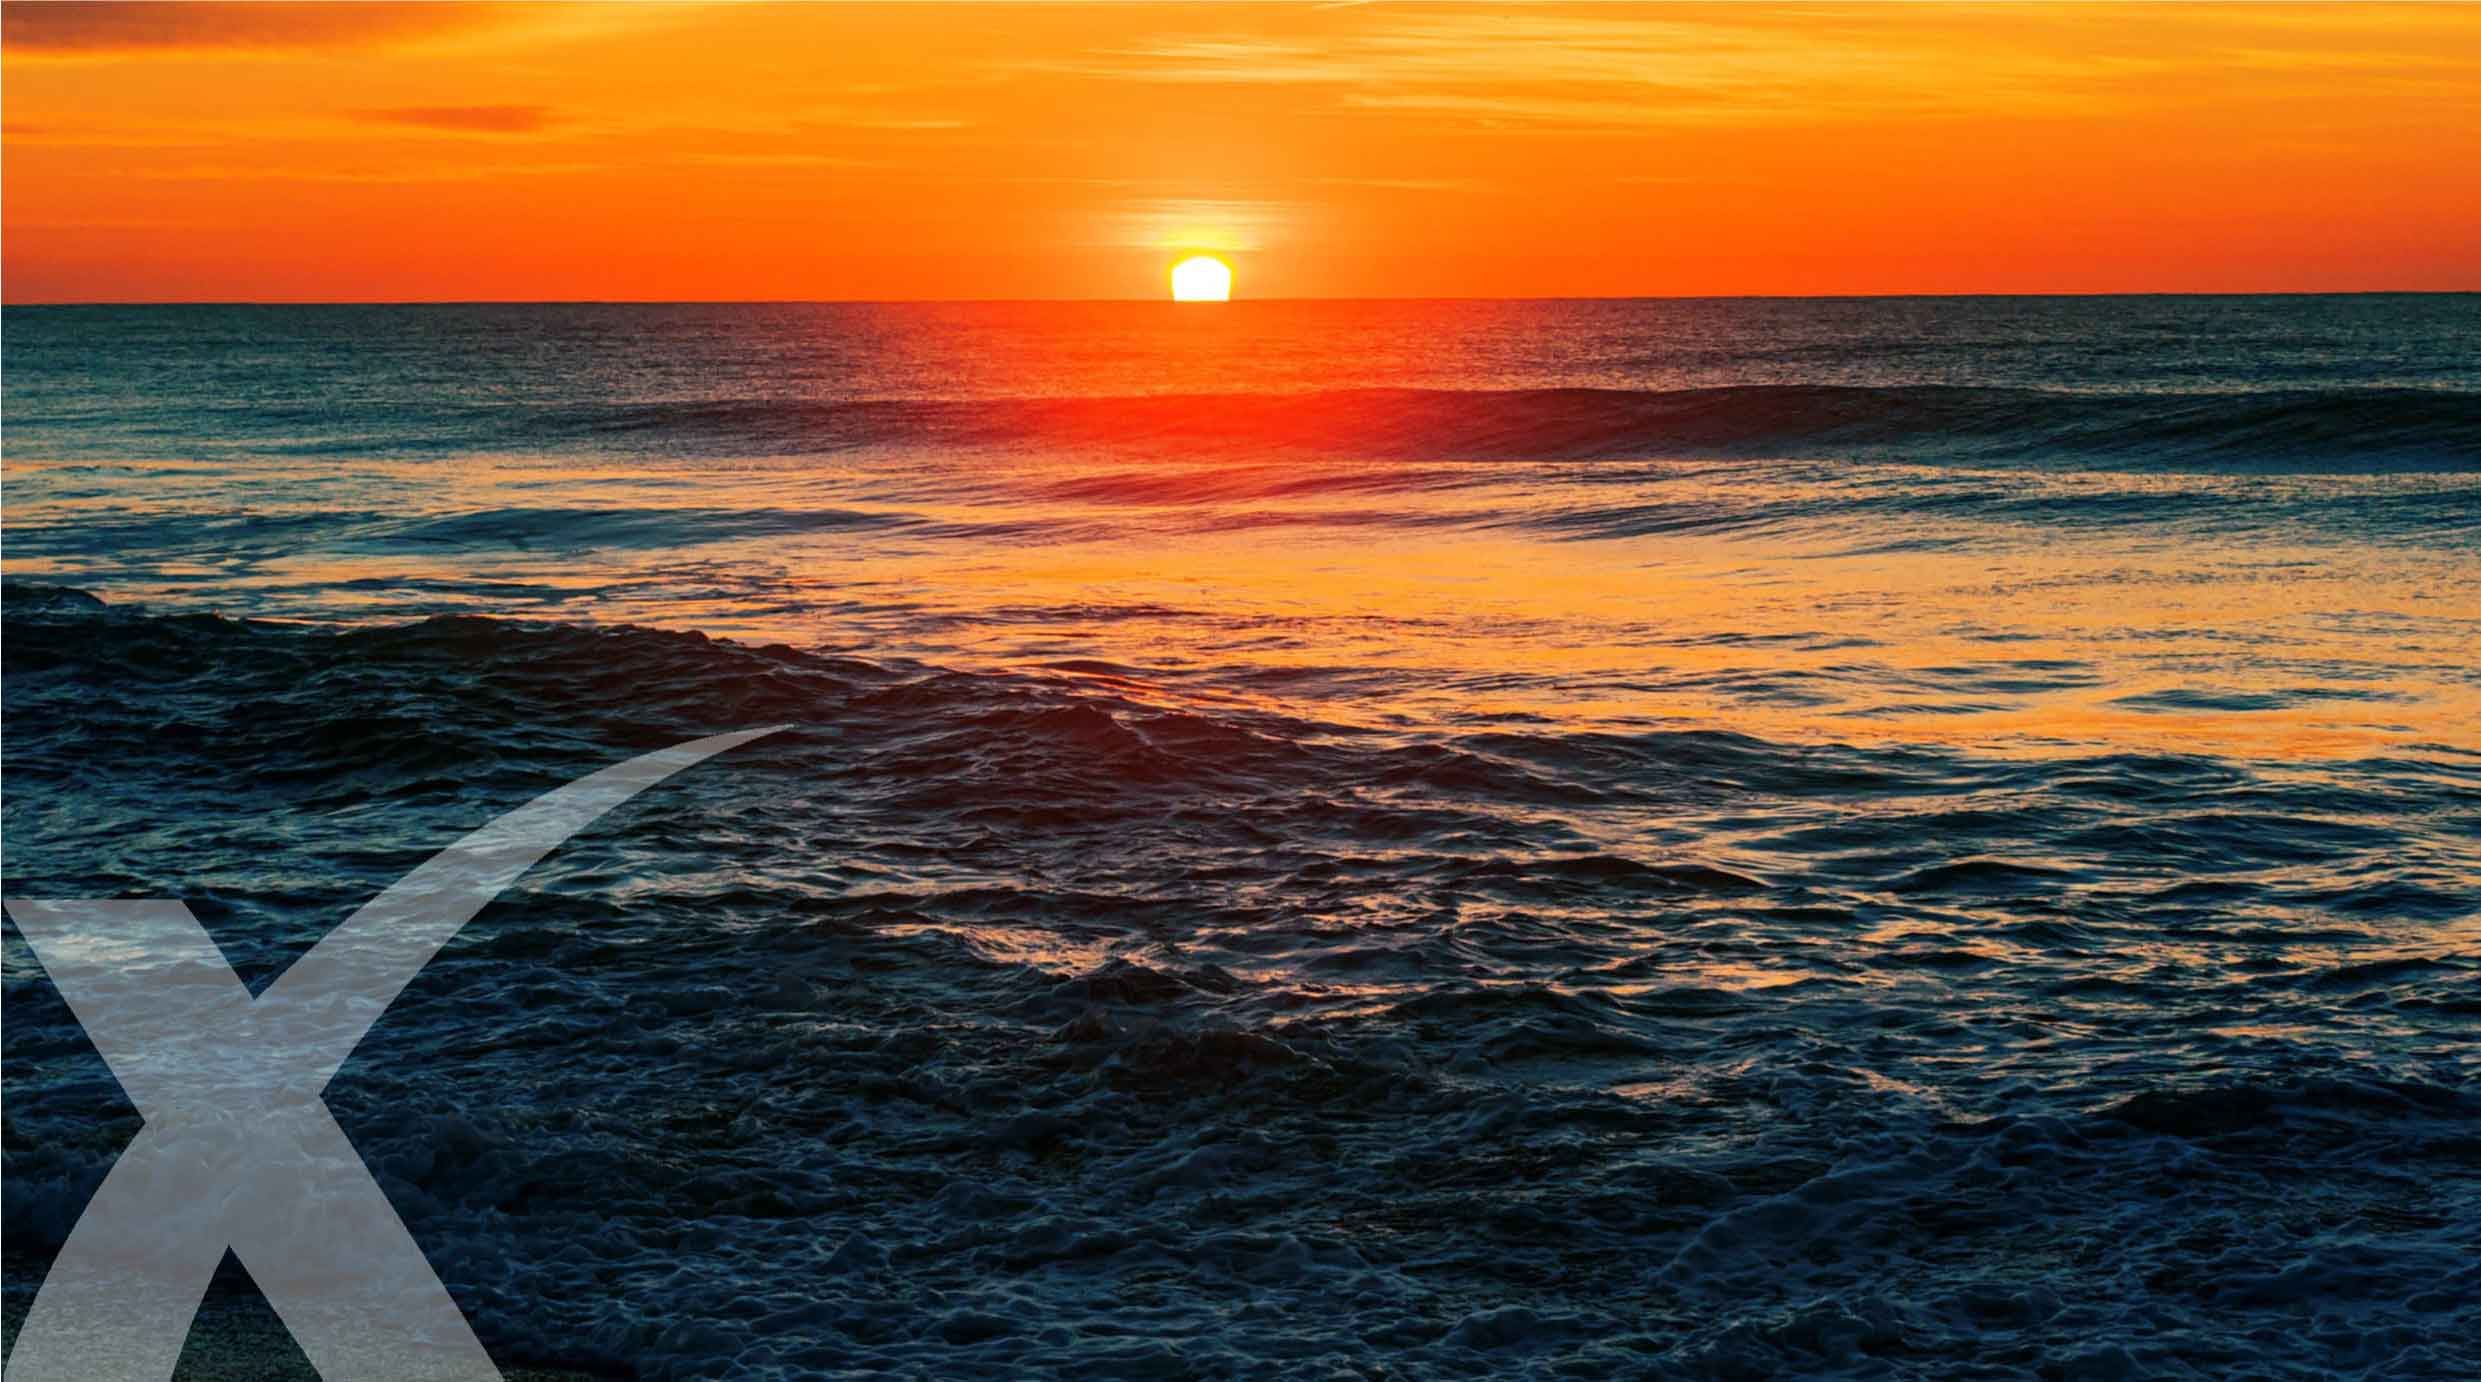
(465, 119)
(795, 161)
(1401, 184)
(1234, 224)
(1216, 59)
(1498, 68)
(390, 175)
(1561, 112)
(1557, 71)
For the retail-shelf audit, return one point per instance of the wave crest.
(2331, 428)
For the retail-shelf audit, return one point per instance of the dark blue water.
(1919, 837)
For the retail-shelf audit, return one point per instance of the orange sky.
(378, 152)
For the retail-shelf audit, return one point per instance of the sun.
(1201, 278)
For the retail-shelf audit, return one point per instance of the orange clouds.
(805, 151)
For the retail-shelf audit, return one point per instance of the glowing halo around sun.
(1201, 278)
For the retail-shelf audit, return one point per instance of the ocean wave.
(2351, 429)
(2275, 430)
(1009, 1003)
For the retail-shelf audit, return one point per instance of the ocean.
(1841, 837)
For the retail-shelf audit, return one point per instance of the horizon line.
(1165, 301)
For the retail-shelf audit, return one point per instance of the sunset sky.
(378, 152)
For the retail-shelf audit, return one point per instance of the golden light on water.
(1201, 278)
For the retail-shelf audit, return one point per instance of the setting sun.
(1201, 279)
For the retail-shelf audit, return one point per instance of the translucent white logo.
(238, 1150)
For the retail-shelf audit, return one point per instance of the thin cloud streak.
(465, 119)
(1571, 72)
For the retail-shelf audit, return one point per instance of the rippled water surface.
(1712, 838)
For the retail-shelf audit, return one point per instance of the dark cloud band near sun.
(119, 28)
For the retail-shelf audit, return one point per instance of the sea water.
(1454, 838)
